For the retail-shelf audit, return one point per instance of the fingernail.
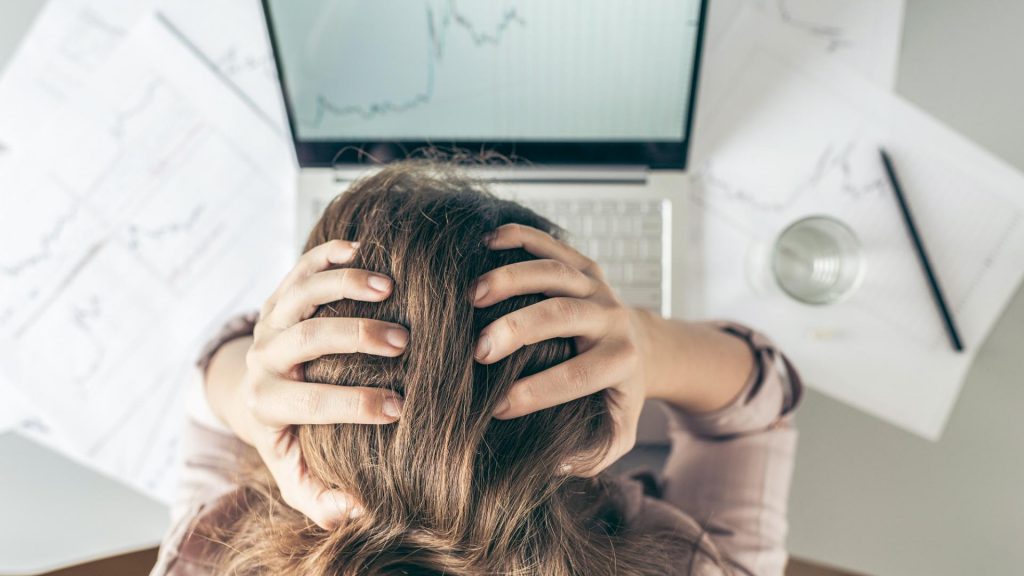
(355, 244)
(481, 291)
(503, 407)
(483, 347)
(392, 407)
(356, 511)
(379, 283)
(397, 337)
(565, 469)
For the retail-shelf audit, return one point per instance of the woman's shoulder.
(189, 548)
(643, 509)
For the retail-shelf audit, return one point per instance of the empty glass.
(818, 260)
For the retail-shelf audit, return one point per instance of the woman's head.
(446, 456)
(447, 489)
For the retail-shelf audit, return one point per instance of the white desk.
(866, 496)
(53, 512)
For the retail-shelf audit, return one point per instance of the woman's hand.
(270, 398)
(582, 306)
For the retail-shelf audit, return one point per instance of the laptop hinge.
(533, 175)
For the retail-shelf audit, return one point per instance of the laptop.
(592, 101)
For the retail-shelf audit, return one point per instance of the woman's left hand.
(608, 334)
(263, 399)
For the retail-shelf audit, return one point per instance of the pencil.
(922, 255)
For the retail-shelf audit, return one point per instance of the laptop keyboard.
(623, 236)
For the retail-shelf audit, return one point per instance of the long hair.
(447, 489)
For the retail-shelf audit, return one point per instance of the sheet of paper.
(170, 208)
(68, 42)
(863, 35)
(232, 36)
(15, 409)
(790, 138)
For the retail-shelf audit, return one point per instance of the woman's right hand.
(264, 405)
(610, 337)
(631, 354)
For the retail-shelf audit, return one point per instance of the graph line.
(45, 249)
(211, 65)
(829, 163)
(91, 40)
(97, 22)
(438, 31)
(439, 34)
(145, 101)
(233, 64)
(833, 35)
(83, 317)
(136, 235)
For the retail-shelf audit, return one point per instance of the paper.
(68, 42)
(232, 36)
(15, 408)
(863, 35)
(158, 206)
(788, 139)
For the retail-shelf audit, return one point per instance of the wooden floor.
(139, 564)
(800, 568)
(134, 564)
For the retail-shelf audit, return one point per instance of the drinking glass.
(818, 260)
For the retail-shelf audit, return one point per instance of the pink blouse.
(726, 478)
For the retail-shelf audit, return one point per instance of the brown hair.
(447, 489)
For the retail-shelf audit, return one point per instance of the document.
(71, 39)
(154, 207)
(15, 408)
(68, 42)
(790, 136)
(862, 35)
(231, 36)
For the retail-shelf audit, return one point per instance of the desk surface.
(866, 496)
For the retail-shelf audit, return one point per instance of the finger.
(316, 259)
(316, 337)
(322, 257)
(542, 245)
(327, 508)
(591, 372)
(548, 277)
(287, 402)
(547, 319)
(302, 298)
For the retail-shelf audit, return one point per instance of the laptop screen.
(554, 81)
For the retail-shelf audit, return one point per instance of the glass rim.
(850, 234)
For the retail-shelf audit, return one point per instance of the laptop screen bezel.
(672, 155)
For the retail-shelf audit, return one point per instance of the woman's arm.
(693, 366)
(223, 378)
(254, 383)
(728, 395)
(730, 468)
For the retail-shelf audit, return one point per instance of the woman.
(437, 388)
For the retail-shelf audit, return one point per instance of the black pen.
(922, 255)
